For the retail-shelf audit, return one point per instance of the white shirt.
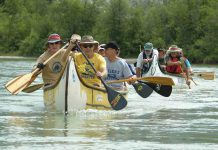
(140, 58)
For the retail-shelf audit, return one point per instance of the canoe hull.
(71, 94)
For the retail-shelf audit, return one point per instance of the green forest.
(190, 24)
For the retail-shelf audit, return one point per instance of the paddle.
(164, 90)
(116, 100)
(193, 81)
(33, 88)
(154, 79)
(19, 83)
(142, 89)
(186, 77)
(204, 75)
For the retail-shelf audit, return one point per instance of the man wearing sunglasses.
(88, 45)
(53, 69)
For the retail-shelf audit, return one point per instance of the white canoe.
(71, 94)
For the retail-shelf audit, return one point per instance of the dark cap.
(161, 49)
(113, 45)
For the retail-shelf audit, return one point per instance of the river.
(188, 119)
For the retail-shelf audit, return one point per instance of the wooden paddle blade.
(33, 88)
(116, 99)
(142, 89)
(159, 80)
(17, 84)
(164, 90)
(205, 75)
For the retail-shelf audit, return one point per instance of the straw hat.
(174, 48)
(88, 39)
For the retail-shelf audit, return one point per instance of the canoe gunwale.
(92, 86)
(51, 87)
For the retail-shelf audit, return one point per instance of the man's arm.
(72, 43)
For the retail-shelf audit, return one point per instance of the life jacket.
(146, 66)
(175, 68)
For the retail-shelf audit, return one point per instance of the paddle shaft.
(185, 76)
(158, 80)
(55, 54)
(17, 84)
(84, 55)
(50, 58)
(33, 88)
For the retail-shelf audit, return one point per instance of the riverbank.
(17, 57)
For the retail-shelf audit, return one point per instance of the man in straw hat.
(145, 59)
(52, 70)
(88, 44)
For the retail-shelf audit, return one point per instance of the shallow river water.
(188, 119)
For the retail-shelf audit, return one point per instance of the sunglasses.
(54, 43)
(75, 48)
(86, 46)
